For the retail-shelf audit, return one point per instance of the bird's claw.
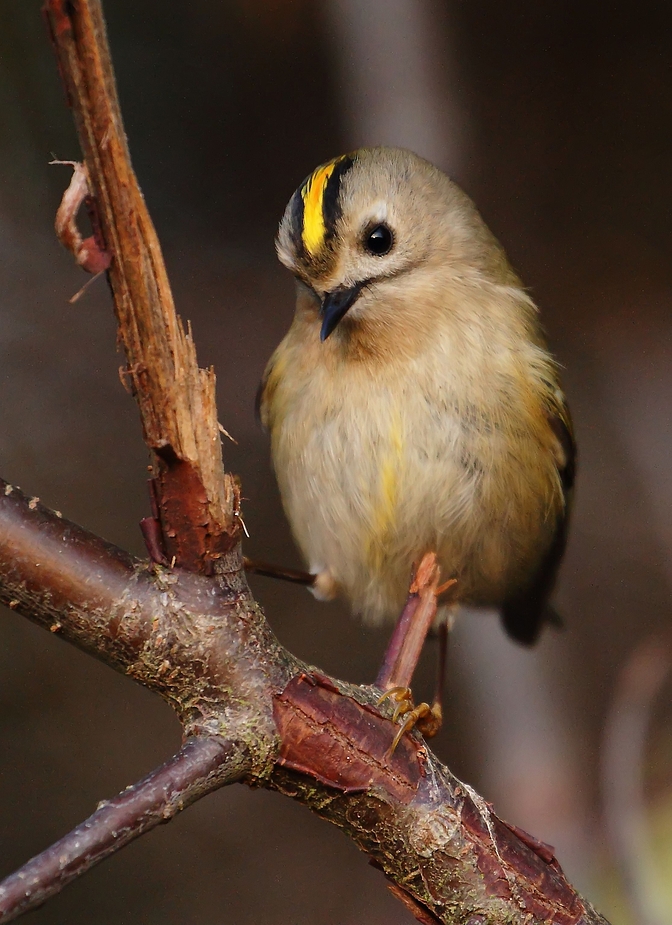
(427, 719)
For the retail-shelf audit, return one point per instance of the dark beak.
(335, 304)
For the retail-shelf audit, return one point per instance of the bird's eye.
(378, 240)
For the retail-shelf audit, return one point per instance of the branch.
(196, 502)
(176, 632)
(201, 765)
(209, 652)
(409, 634)
(69, 581)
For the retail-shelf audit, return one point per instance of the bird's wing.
(262, 398)
(524, 613)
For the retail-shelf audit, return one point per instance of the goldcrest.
(413, 405)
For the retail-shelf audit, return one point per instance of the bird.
(413, 404)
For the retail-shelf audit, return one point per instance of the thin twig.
(200, 766)
(408, 638)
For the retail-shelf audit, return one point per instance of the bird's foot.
(425, 718)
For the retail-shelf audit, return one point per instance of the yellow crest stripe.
(312, 193)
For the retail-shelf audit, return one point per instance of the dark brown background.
(560, 118)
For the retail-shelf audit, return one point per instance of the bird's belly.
(372, 488)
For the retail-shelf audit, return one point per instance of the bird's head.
(371, 233)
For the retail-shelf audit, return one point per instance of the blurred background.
(557, 120)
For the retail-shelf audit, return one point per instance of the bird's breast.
(374, 470)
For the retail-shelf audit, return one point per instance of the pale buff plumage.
(426, 420)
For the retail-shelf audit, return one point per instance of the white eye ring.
(377, 215)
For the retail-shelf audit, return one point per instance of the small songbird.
(413, 405)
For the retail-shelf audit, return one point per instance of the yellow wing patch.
(385, 509)
(312, 193)
(389, 480)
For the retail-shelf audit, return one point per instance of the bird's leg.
(404, 650)
(430, 724)
(427, 719)
(296, 576)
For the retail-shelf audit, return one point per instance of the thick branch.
(196, 501)
(69, 581)
(201, 765)
(193, 640)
